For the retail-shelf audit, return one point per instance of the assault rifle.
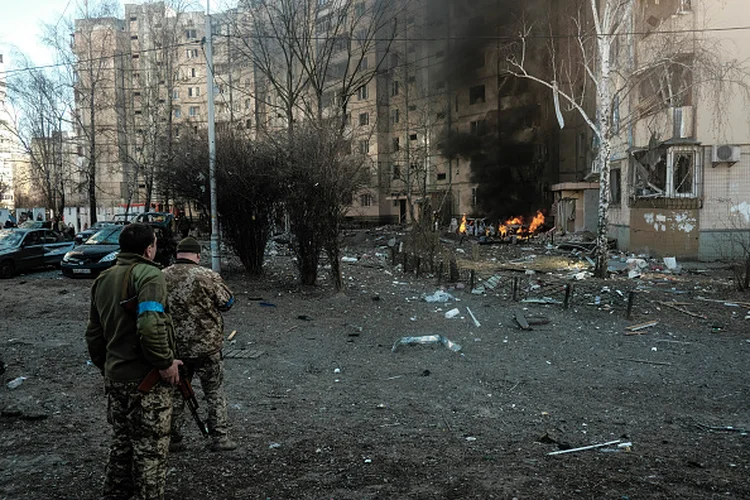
(186, 389)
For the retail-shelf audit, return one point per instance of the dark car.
(97, 253)
(163, 224)
(85, 234)
(24, 249)
(100, 251)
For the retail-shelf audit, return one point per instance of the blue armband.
(150, 306)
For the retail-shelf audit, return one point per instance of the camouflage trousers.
(138, 454)
(210, 372)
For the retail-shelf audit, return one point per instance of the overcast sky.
(21, 21)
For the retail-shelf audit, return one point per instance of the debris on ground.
(617, 442)
(452, 313)
(543, 300)
(439, 296)
(637, 329)
(426, 340)
(16, 382)
(521, 320)
(474, 318)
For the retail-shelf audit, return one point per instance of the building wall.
(698, 225)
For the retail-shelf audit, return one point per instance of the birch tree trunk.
(603, 23)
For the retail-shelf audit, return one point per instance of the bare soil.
(323, 408)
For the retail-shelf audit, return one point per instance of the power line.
(62, 15)
(94, 59)
(487, 38)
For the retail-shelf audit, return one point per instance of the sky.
(21, 26)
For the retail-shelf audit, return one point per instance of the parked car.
(163, 224)
(99, 252)
(36, 224)
(24, 249)
(85, 234)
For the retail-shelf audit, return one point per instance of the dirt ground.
(324, 408)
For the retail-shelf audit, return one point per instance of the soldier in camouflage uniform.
(197, 296)
(127, 343)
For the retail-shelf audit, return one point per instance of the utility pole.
(215, 257)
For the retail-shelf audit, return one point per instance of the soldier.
(129, 333)
(197, 296)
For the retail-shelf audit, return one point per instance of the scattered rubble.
(426, 340)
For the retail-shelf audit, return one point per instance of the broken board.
(242, 354)
(521, 320)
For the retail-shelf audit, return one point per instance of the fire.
(462, 227)
(515, 225)
(536, 222)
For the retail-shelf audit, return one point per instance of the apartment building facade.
(680, 177)
(426, 84)
(6, 145)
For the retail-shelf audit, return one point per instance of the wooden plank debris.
(684, 311)
(537, 321)
(243, 354)
(521, 320)
(637, 329)
(728, 303)
(634, 360)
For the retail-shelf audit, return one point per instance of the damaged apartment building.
(442, 122)
(680, 171)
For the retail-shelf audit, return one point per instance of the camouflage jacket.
(197, 296)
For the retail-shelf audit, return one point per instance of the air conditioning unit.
(726, 153)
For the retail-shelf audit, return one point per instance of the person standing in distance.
(130, 333)
(197, 297)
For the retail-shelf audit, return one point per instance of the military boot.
(175, 442)
(223, 443)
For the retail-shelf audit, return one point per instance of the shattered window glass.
(683, 173)
(615, 186)
(661, 172)
(650, 172)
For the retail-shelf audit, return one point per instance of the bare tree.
(250, 179)
(87, 62)
(310, 58)
(37, 128)
(593, 72)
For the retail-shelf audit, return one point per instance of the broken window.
(476, 94)
(661, 172)
(668, 85)
(478, 127)
(683, 173)
(615, 186)
(655, 12)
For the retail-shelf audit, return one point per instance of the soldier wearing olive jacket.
(126, 343)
